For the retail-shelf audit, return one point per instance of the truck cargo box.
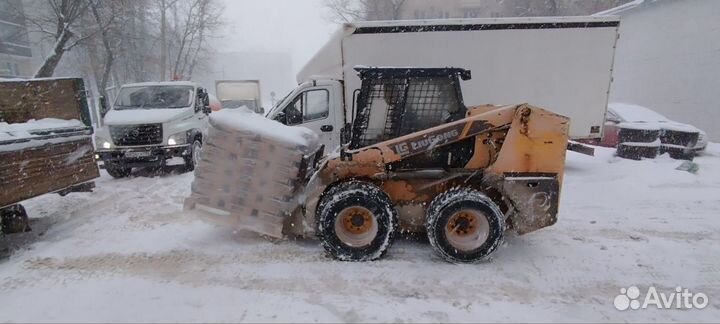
(560, 62)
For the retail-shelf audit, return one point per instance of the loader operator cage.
(398, 101)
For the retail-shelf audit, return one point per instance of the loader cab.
(393, 102)
(316, 105)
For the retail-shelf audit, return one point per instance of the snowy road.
(126, 253)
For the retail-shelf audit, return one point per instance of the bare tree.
(192, 20)
(105, 36)
(353, 10)
(65, 14)
(343, 11)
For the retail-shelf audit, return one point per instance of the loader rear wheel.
(464, 225)
(356, 221)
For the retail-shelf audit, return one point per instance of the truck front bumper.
(152, 156)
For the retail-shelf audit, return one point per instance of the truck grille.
(130, 135)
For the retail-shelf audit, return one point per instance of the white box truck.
(560, 63)
(239, 93)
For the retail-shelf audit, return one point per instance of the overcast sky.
(298, 27)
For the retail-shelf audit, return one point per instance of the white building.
(668, 59)
(15, 53)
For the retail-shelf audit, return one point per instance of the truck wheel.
(356, 221)
(192, 160)
(464, 225)
(117, 171)
(14, 219)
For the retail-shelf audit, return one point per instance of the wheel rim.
(467, 230)
(356, 226)
(196, 148)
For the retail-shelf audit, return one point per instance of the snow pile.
(244, 120)
(127, 246)
(41, 132)
(25, 130)
(131, 116)
(639, 117)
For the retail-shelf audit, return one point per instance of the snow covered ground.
(125, 253)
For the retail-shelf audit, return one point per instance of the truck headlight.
(102, 143)
(175, 139)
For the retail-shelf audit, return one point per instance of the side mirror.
(206, 99)
(281, 118)
(203, 100)
(103, 106)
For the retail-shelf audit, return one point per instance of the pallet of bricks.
(251, 171)
(45, 139)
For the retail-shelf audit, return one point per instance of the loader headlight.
(106, 145)
(179, 138)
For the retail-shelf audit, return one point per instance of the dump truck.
(45, 144)
(414, 159)
(560, 62)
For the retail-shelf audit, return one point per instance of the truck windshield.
(148, 97)
(278, 104)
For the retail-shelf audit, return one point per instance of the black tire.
(471, 211)
(117, 171)
(681, 155)
(376, 222)
(14, 219)
(637, 152)
(195, 149)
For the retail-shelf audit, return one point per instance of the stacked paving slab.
(248, 176)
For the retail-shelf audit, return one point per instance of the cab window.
(308, 106)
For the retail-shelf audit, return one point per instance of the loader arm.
(372, 161)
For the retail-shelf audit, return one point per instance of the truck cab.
(316, 105)
(152, 122)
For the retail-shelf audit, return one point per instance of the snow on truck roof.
(160, 83)
(37, 79)
(483, 21)
(327, 61)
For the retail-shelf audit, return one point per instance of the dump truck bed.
(45, 138)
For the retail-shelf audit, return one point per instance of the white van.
(152, 122)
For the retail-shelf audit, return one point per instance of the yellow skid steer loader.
(416, 159)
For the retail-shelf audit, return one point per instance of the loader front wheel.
(464, 225)
(356, 221)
